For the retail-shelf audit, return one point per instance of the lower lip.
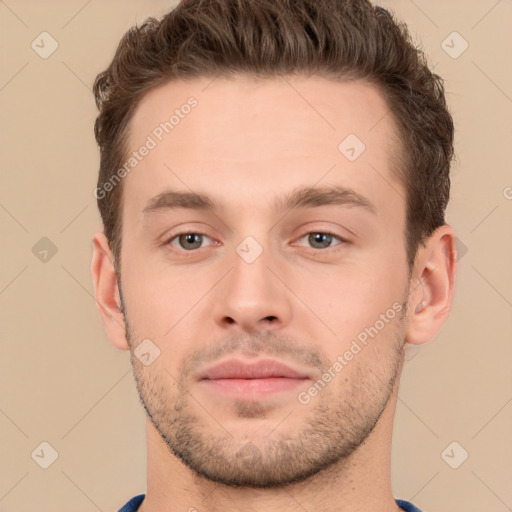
(253, 388)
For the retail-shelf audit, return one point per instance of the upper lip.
(262, 369)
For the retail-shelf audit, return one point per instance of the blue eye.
(317, 240)
(188, 241)
(321, 240)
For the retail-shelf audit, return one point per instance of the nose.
(253, 296)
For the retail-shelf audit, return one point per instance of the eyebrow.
(302, 197)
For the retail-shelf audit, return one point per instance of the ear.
(106, 292)
(431, 286)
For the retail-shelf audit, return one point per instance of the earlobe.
(431, 286)
(106, 292)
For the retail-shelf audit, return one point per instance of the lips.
(263, 369)
(266, 379)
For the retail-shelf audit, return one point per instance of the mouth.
(238, 379)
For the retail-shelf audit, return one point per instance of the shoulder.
(133, 504)
(406, 506)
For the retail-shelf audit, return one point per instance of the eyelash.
(342, 241)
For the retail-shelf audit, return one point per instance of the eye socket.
(188, 241)
(321, 240)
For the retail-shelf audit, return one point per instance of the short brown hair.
(338, 39)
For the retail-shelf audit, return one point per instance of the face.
(263, 257)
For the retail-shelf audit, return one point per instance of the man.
(273, 182)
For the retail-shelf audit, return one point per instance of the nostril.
(270, 318)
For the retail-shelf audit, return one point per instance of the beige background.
(62, 382)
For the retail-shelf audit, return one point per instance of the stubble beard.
(335, 427)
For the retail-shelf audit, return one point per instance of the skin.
(247, 143)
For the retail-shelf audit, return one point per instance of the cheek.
(151, 301)
(351, 296)
(164, 302)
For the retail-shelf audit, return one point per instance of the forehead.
(253, 133)
(322, 108)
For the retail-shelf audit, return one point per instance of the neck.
(361, 482)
